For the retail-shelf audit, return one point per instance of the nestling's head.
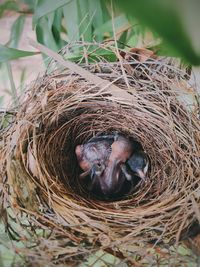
(139, 164)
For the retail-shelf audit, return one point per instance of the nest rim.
(84, 112)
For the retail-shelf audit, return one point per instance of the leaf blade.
(167, 23)
(8, 5)
(45, 35)
(16, 31)
(7, 53)
(71, 20)
(44, 7)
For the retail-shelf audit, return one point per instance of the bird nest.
(137, 94)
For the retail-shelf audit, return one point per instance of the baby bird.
(92, 156)
(110, 160)
(138, 163)
(111, 180)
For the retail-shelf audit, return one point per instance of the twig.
(114, 90)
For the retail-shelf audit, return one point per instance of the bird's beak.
(142, 175)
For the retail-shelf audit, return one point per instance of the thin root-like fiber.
(63, 109)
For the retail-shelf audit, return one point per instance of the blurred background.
(170, 28)
(167, 27)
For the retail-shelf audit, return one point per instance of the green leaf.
(136, 32)
(50, 19)
(162, 49)
(168, 20)
(13, 89)
(81, 17)
(1, 104)
(7, 53)
(132, 42)
(123, 39)
(8, 5)
(118, 22)
(57, 23)
(85, 21)
(51, 25)
(16, 31)
(96, 9)
(71, 19)
(45, 35)
(106, 14)
(94, 55)
(44, 7)
(57, 28)
(22, 79)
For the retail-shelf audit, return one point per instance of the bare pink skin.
(121, 150)
(83, 162)
(108, 160)
(92, 153)
(111, 181)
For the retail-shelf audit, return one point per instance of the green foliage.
(175, 21)
(16, 31)
(76, 55)
(64, 21)
(7, 54)
(44, 7)
(22, 79)
(107, 27)
(45, 34)
(13, 89)
(8, 5)
(59, 22)
(1, 102)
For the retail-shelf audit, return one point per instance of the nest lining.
(62, 110)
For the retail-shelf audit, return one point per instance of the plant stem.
(12, 83)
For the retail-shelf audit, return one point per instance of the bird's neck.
(110, 179)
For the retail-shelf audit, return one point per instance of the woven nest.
(141, 99)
